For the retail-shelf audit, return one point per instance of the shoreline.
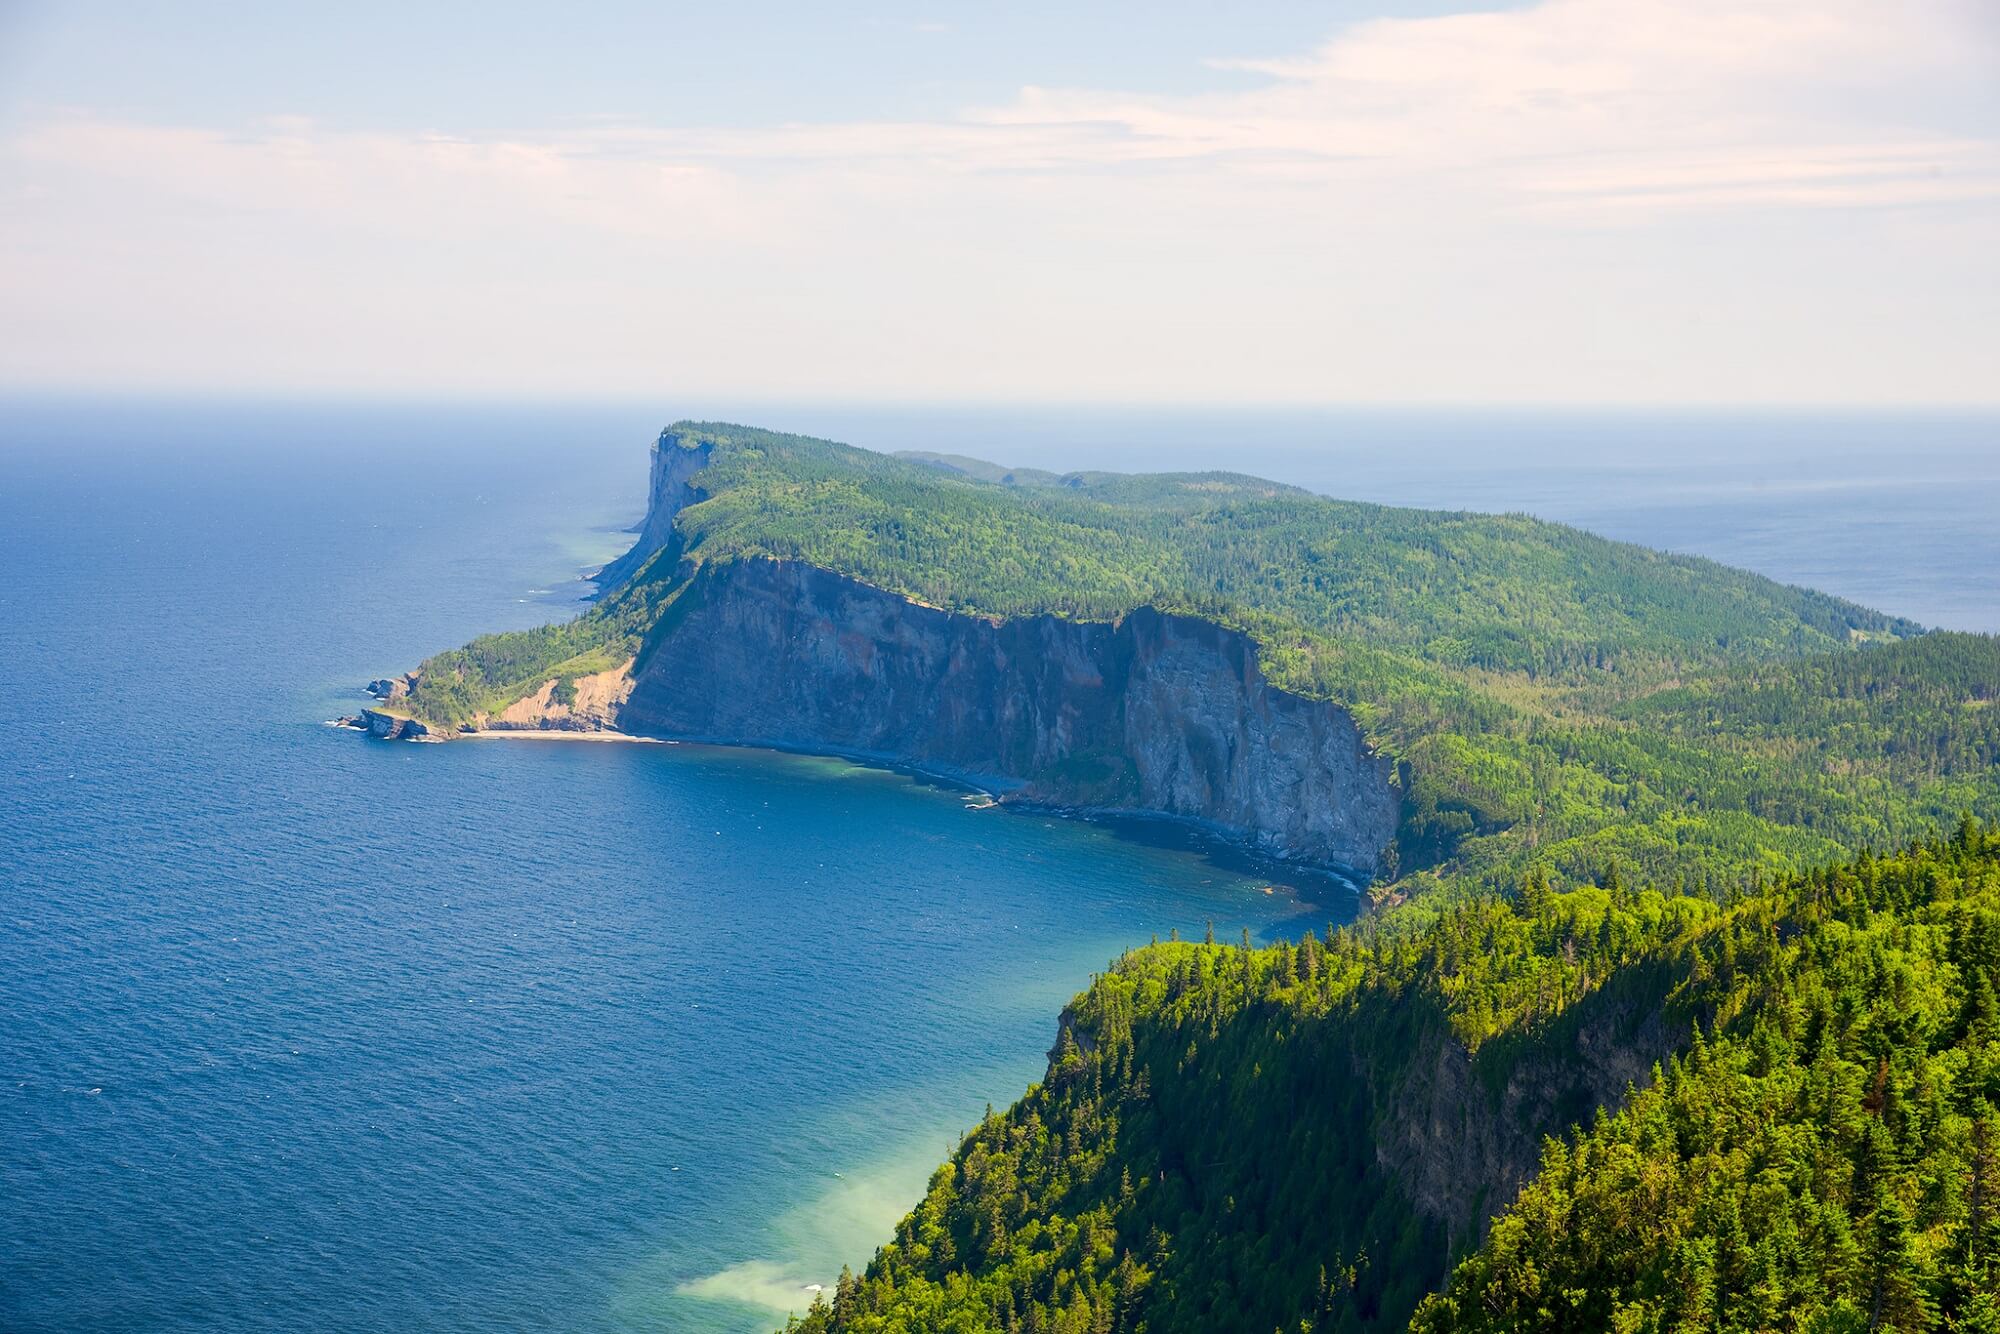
(559, 734)
(1234, 849)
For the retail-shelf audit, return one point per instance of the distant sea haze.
(309, 1032)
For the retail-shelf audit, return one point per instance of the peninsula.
(1655, 856)
(1424, 698)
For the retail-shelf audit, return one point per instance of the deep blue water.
(307, 1032)
(302, 1031)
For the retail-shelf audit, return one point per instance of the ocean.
(306, 1031)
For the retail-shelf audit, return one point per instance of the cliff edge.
(1151, 714)
(1147, 714)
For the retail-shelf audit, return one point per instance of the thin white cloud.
(1704, 97)
(1028, 237)
(1697, 100)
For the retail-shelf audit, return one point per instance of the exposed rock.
(592, 706)
(1154, 713)
(391, 689)
(1461, 1134)
(395, 727)
(669, 492)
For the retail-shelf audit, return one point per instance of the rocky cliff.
(1153, 713)
(1460, 1134)
(589, 704)
(389, 726)
(669, 491)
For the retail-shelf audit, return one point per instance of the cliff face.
(1155, 713)
(669, 492)
(390, 726)
(1461, 1134)
(590, 705)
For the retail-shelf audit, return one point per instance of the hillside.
(1543, 697)
(1596, 786)
(1301, 1137)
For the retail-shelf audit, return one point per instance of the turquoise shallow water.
(307, 1032)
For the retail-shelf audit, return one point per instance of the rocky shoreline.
(1154, 715)
(388, 726)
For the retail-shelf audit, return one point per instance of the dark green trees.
(1212, 1148)
(1820, 1160)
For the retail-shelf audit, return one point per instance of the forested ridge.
(1551, 699)
(1215, 1146)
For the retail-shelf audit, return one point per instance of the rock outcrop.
(392, 726)
(1154, 713)
(1460, 1134)
(589, 704)
(390, 689)
(669, 491)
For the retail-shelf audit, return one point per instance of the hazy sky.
(1649, 201)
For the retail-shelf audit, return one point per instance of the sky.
(1433, 202)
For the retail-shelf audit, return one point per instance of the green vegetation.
(1471, 591)
(457, 687)
(1215, 1145)
(1825, 1157)
(981, 470)
(1552, 699)
(1239, 1139)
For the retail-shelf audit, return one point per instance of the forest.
(1815, 1144)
